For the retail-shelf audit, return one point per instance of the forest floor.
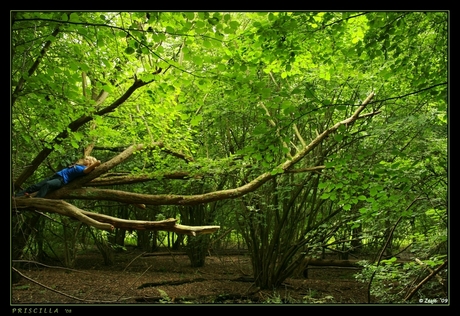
(138, 279)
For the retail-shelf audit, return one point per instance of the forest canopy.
(291, 130)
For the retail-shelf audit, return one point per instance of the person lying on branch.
(59, 179)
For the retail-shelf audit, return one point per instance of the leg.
(51, 184)
(33, 188)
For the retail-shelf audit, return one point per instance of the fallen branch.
(47, 287)
(35, 263)
(432, 274)
(341, 263)
(423, 264)
(137, 257)
(222, 298)
(163, 254)
(174, 282)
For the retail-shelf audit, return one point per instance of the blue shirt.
(72, 172)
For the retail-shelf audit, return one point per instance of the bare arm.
(91, 167)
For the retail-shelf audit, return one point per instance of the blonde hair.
(81, 161)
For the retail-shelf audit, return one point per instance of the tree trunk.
(143, 240)
(356, 242)
(197, 246)
(23, 226)
(196, 250)
(178, 242)
(155, 241)
(104, 247)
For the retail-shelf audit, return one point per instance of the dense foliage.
(233, 96)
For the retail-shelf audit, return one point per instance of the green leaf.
(197, 60)
(190, 15)
(309, 93)
(322, 185)
(373, 191)
(213, 21)
(276, 171)
(257, 156)
(78, 136)
(199, 24)
(74, 17)
(196, 120)
(107, 88)
(234, 25)
(338, 137)
(389, 261)
(296, 91)
(363, 210)
(26, 138)
(129, 50)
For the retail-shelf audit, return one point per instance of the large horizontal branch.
(109, 223)
(136, 198)
(126, 178)
(60, 207)
(169, 225)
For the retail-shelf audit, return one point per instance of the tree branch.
(126, 178)
(109, 223)
(60, 207)
(311, 169)
(74, 191)
(273, 124)
(136, 198)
